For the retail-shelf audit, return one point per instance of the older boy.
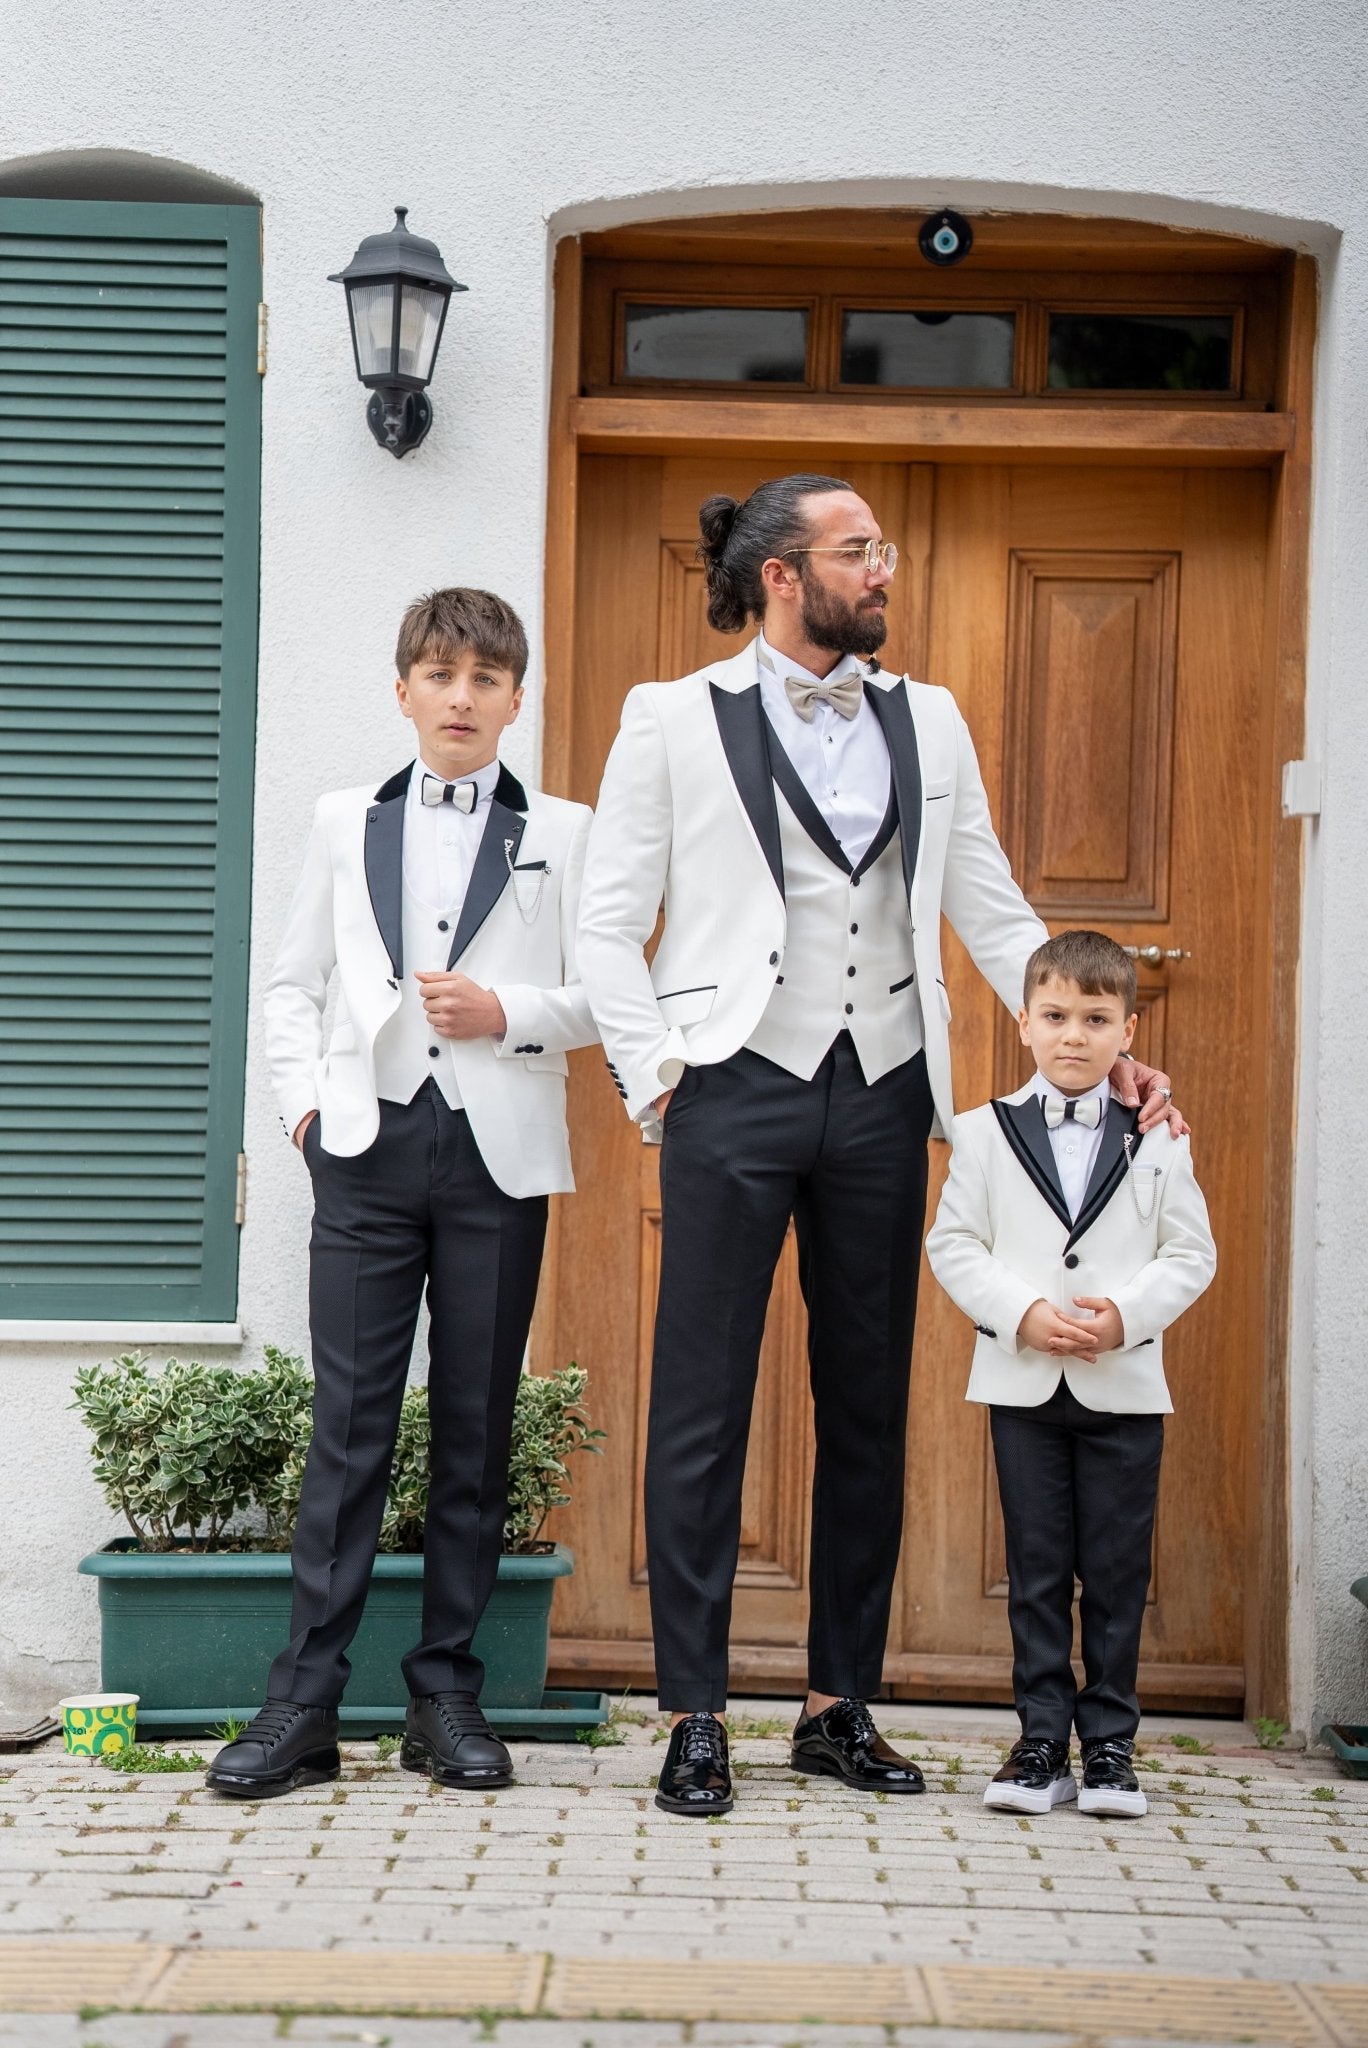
(433, 1127)
(1072, 1242)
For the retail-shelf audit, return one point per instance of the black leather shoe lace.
(1038, 1754)
(859, 1721)
(702, 1741)
(275, 1719)
(459, 1713)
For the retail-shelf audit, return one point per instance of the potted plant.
(205, 1465)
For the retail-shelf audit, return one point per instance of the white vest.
(403, 1056)
(847, 961)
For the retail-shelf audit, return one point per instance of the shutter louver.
(129, 432)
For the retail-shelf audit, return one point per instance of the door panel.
(1100, 631)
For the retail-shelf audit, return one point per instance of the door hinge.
(263, 314)
(240, 1200)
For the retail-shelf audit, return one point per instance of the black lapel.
(800, 802)
(883, 835)
(1109, 1167)
(1024, 1128)
(741, 724)
(894, 714)
(499, 843)
(384, 855)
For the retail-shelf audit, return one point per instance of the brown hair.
(738, 536)
(445, 623)
(1098, 965)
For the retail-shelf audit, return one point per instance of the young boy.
(1073, 1243)
(433, 1129)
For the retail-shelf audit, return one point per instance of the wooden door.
(1107, 620)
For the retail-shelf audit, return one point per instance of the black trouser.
(419, 1207)
(1078, 1490)
(746, 1146)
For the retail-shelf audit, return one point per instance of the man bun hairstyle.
(1096, 963)
(738, 536)
(448, 623)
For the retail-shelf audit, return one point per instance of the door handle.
(1153, 956)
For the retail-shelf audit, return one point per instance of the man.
(433, 1128)
(805, 820)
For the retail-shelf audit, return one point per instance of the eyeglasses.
(875, 554)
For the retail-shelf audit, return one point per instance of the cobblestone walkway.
(811, 1915)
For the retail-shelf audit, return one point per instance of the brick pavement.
(1249, 1866)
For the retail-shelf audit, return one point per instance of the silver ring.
(1167, 1094)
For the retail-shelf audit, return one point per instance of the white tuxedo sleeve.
(553, 1019)
(978, 893)
(993, 1297)
(1185, 1261)
(625, 868)
(298, 985)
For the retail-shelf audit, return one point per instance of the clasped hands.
(1047, 1328)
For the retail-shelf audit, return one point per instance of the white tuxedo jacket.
(1003, 1238)
(515, 934)
(687, 816)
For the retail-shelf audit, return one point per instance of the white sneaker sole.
(1023, 1799)
(1125, 1805)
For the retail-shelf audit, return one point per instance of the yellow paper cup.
(93, 1723)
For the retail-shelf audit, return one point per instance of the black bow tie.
(1088, 1112)
(464, 795)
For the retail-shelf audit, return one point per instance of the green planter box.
(195, 1635)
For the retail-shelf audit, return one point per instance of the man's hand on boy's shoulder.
(458, 1007)
(1136, 1083)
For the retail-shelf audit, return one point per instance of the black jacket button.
(850, 1009)
(434, 1052)
(1071, 1260)
(442, 925)
(850, 970)
(774, 959)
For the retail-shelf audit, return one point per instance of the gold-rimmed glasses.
(875, 554)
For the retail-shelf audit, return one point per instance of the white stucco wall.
(500, 128)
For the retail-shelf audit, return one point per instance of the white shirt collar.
(1102, 1091)
(784, 665)
(484, 780)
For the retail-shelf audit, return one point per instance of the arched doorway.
(1090, 442)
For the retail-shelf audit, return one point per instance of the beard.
(841, 628)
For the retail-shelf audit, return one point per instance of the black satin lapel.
(894, 714)
(1023, 1126)
(740, 722)
(499, 843)
(799, 801)
(384, 854)
(883, 835)
(1109, 1167)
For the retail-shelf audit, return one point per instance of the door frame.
(1278, 439)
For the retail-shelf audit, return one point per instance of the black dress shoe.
(283, 1747)
(696, 1777)
(1109, 1781)
(1035, 1777)
(843, 1742)
(448, 1738)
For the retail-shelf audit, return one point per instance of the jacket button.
(434, 1052)
(850, 1009)
(850, 970)
(853, 929)
(442, 925)
(854, 881)
(774, 959)
(1071, 1260)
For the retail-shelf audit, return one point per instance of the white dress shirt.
(440, 842)
(1073, 1144)
(843, 761)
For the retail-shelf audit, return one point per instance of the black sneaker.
(283, 1747)
(1035, 1777)
(696, 1776)
(1109, 1781)
(448, 1738)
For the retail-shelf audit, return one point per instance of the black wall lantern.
(398, 289)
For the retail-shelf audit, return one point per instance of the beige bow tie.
(843, 695)
(1088, 1112)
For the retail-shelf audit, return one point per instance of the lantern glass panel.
(420, 323)
(372, 311)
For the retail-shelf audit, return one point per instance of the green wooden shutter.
(129, 519)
